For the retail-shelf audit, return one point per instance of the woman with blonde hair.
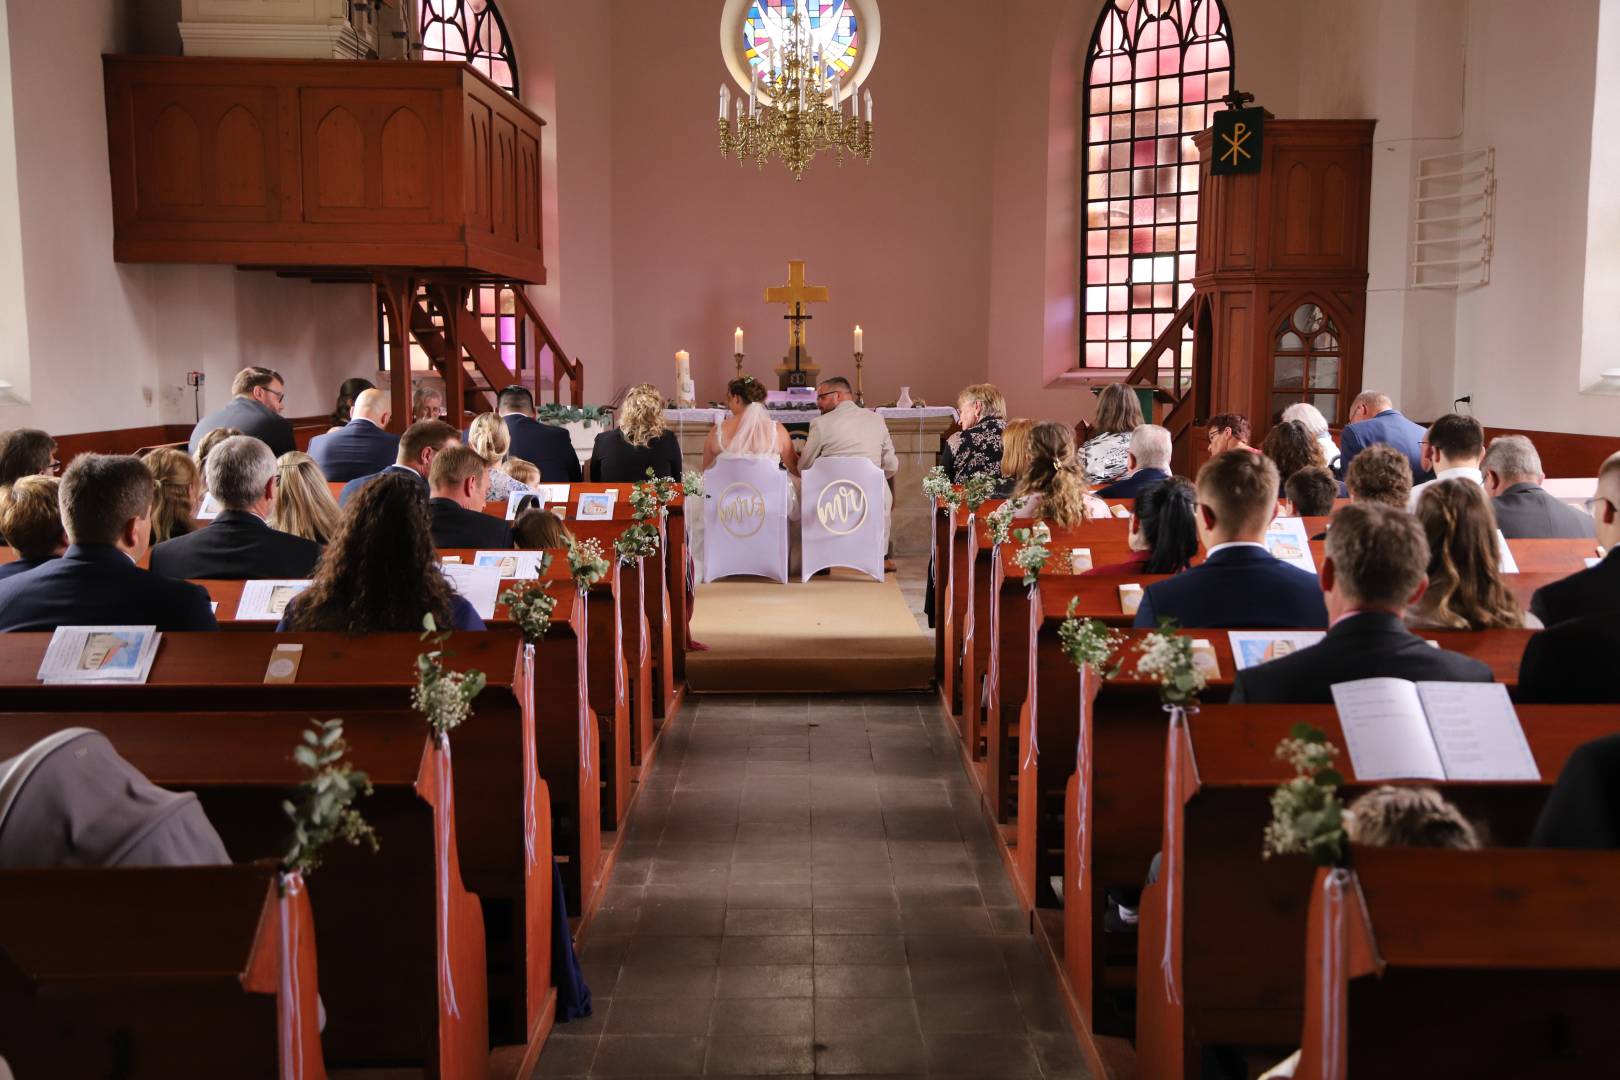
(179, 492)
(490, 440)
(304, 504)
(1014, 455)
(1105, 453)
(1466, 590)
(640, 442)
(1054, 486)
(976, 450)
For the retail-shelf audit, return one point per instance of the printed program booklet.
(538, 496)
(478, 585)
(1287, 539)
(1252, 647)
(93, 654)
(522, 565)
(1400, 730)
(266, 600)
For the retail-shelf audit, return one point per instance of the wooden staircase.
(1185, 397)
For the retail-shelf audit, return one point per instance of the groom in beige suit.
(844, 429)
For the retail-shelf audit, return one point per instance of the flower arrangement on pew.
(692, 484)
(647, 502)
(1307, 817)
(531, 603)
(444, 697)
(938, 487)
(1032, 553)
(322, 809)
(1090, 643)
(586, 563)
(1167, 659)
(976, 491)
(1000, 521)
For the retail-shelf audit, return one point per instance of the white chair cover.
(842, 521)
(745, 520)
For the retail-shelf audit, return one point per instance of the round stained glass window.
(846, 32)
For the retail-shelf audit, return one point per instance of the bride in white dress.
(748, 434)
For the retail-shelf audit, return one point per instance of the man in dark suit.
(1149, 461)
(460, 482)
(1240, 583)
(545, 446)
(1595, 590)
(107, 510)
(1524, 509)
(239, 544)
(361, 447)
(421, 442)
(1373, 419)
(1374, 568)
(1583, 810)
(1572, 663)
(258, 397)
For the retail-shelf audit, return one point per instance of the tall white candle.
(737, 341)
(683, 365)
(860, 340)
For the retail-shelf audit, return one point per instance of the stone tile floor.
(808, 887)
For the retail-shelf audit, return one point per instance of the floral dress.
(977, 451)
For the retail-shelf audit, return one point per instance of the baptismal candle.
(683, 365)
(736, 340)
(860, 339)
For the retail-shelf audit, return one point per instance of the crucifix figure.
(796, 369)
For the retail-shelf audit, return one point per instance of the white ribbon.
(1082, 770)
(528, 767)
(290, 1015)
(1033, 752)
(1332, 966)
(1168, 878)
(442, 825)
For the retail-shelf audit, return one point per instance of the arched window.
(1305, 362)
(1153, 71)
(471, 32)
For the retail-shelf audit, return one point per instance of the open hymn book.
(1400, 730)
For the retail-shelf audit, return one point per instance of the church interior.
(1105, 573)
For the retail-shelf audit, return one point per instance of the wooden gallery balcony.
(332, 169)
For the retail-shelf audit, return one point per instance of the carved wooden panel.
(1319, 216)
(366, 154)
(208, 155)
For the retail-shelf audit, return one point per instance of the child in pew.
(536, 528)
(1405, 817)
(1164, 532)
(521, 473)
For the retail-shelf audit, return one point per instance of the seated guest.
(27, 452)
(1466, 590)
(1524, 510)
(179, 493)
(1106, 453)
(1014, 456)
(1315, 423)
(1054, 487)
(1380, 474)
(1452, 450)
(460, 483)
(258, 397)
(536, 528)
(427, 402)
(361, 447)
(1583, 810)
(240, 544)
(1409, 817)
(421, 442)
(1311, 492)
(1239, 584)
(547, 446)
(1291, 448)
(521, 473)
(1373, 570)
(1164, 531)
(107, 511)
(1229, 431)
(1373, 420)
(623, 454)
(31, 522)
(380, 572)
(209, 441)
(976, 449)
(343, 411)
(1568, 664)
(488, 438)
(1149, 461)
(304, 502)
(1595, 590)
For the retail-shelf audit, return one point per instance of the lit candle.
(860, 340)
(736, 341)
(683, 365)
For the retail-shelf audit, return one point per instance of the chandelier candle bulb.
(869, 108)
(725, 101)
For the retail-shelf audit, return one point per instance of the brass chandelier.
(795, 109)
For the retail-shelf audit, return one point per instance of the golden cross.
(796, 294)
(1235, 141)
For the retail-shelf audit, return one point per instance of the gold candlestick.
(860, 394)
(739, 357)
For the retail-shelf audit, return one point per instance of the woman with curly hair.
(304, 504)
(380, 572)
(640, 442)
(1466, 590)
(1291, 448)
(1054, 487)
(179, 492)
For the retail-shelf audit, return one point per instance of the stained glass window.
(1155, 72)
(830, 24)
(1305, 363)
(471, 32)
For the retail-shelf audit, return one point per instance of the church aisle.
(809, 888)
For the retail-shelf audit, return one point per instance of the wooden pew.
(1243, 983)
(154, 972)
(395, 985)
(1508, 960)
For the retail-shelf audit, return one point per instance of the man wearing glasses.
(844, 429)
(258, 398)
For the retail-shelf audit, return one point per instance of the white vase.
(904, 400)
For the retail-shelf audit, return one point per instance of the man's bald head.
(373, 405)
